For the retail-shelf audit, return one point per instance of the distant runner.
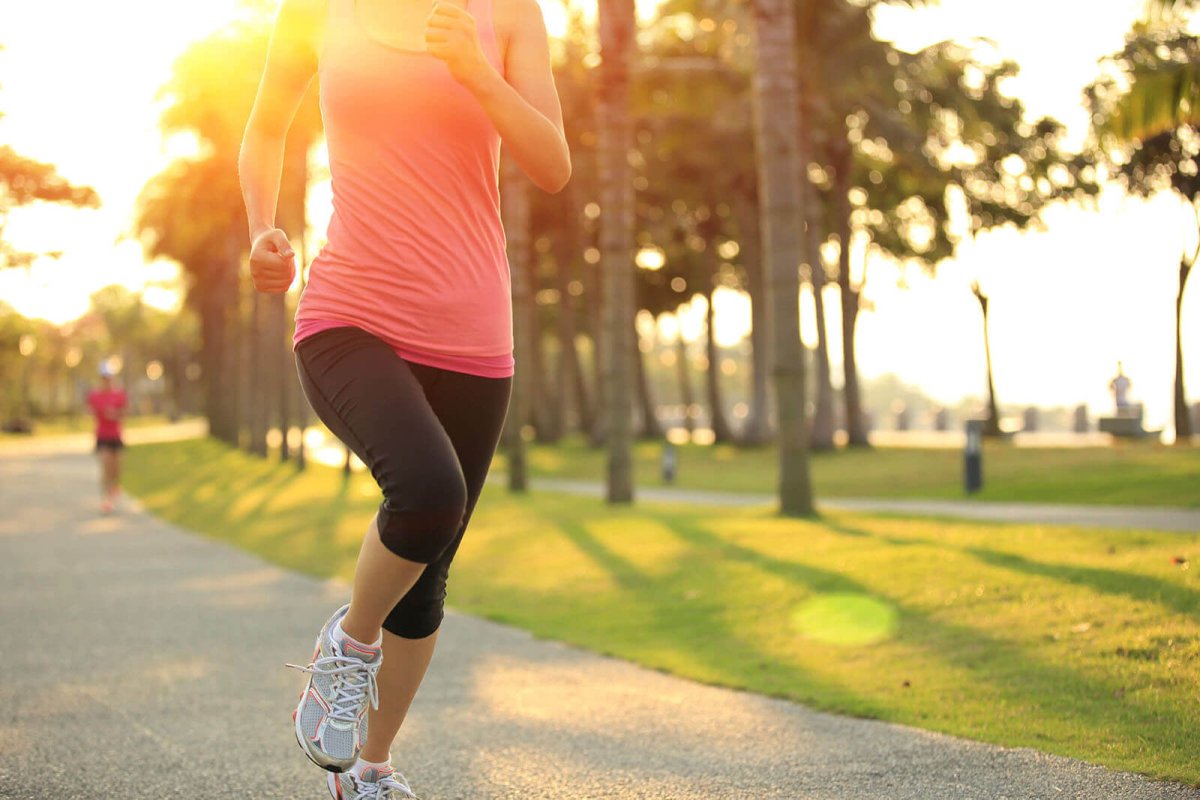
(108, 406)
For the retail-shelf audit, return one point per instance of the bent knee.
(419, 519)
(417, 616)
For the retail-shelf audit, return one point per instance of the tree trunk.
(822, 425)
(821, 434)
(650, 427)
(302, 408)
(516, 214)
(293, 218)
(245, 344)
(682, 371)
(856, 429)
(228, 378)
(584, 396)
(1183, 420)
(212, 344)
(276, 367)
(809, 80)
(258, 382)
(535, 364)
(617, 26)
(548, 410)
(992, 426)
(598, 308)
(781, 204)
(716, 409)
(758, 424)
(571, 391)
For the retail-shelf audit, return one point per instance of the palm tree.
(189, 213)
(1164, 89)
(1145, 128)
(24, 181)
(192, 213)
(888, 125)
(617, 26)
(781, 204)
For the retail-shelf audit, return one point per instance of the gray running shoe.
(331, 720)
(373, 784)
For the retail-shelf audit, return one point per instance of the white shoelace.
(352, 677)
(387, 788)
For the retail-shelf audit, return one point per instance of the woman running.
(108, 406)
(404, 332)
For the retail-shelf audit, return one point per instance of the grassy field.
(1077, 642)
(1124, 474)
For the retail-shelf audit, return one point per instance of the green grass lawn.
(1127, 473)
(1084, 643)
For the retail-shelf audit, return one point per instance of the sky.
(1097, 286)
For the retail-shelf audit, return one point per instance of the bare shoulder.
(513, 18)
(311, 10)
(302, 21)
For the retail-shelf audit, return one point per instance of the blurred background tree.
(1145, 110)
(25, 181)
(192, 213)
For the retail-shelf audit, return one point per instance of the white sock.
(340, 635)
(361, 765)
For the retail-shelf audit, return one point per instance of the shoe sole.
(335, 787)
(302, 740)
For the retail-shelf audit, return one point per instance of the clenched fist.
(451, 35)
(272, 262)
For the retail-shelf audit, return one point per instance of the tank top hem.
(501, 366)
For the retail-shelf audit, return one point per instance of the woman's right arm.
(291, 65)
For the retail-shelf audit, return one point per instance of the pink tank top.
(416, 250)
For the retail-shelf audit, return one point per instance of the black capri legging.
(426, 434)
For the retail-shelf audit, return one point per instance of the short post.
(670, 463)
(1080, 422)
(973, 463)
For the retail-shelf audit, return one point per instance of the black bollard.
(973, 461)
(670, 463)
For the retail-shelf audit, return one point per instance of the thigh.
(471, 411)
(370, 399)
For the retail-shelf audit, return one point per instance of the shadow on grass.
(1113, 582)
(1061, 695)
(287, 516)
(660, 621)
(1108, 581)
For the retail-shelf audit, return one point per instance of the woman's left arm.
(524, 107)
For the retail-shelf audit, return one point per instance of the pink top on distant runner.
(105, 405)
(416, 250)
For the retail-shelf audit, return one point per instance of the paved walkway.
(144, 663)
(1182, 520)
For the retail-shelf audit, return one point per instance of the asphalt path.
(142, 663)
